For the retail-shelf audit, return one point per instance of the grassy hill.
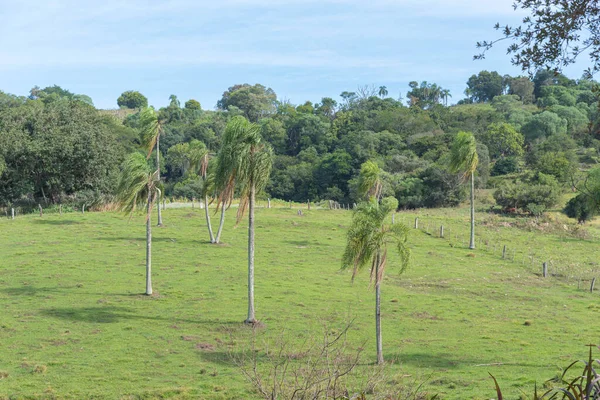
(74, 324)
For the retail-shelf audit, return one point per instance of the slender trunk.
(472, 243)
(251, 317)
(158, 177)
(149, 245)
(378, 311)
(210, 232)
(221, 223)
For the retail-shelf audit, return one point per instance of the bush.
(581, 208)
(527, 196)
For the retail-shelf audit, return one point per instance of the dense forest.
(534, 135)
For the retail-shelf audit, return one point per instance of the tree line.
(529, 132)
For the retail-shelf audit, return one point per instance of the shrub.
(527, 196)
(580, 207)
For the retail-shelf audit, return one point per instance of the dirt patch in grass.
(205, 346)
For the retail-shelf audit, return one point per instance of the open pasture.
(75, 325)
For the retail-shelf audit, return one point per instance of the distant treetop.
(132, 99)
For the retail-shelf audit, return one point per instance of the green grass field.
(74, 324)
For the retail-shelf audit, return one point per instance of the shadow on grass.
(112, 314)
(107, 314)
(56, 221)
(154, 239)
(432, 360)
(28, 291)
(305, 243)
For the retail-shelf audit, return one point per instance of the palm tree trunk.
(251, 317)
(158, 173)
(210, 232)
(378, 311)
(472, 242)
(149, 245)
(221, 223)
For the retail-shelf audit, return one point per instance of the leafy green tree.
(544, 125)
(368, 239)
(139, 186)
(53, 150)
(255, 101)
(192, 104)
(464, 159)
(523, 87)
(484, 86)
(502, 140)
(132, 99)
(244, 161)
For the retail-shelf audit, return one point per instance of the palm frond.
(369, 235)
(243, 161)
(369, 180)
(149, 129)
(134, 179)
(463, 154)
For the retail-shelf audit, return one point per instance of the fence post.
(442, 231)
(192, 202)
(12, 213)
(545, 269)
(83, 209)
(329, 204)
(41, 211)
(592, 285)
(417, 223)
(504, 252)
(290, 204)
(60, 210)
(308, 203)
(393, 218)
(268, 203)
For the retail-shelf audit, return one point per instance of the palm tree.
(244, 161)
(139, 186)
(464, 159)
(367, 243)
(199, 163)
(445, 93)
(150, 131)
(383, 91)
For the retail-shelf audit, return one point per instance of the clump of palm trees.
(242, 167)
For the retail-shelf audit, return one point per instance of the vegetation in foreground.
(76, 324)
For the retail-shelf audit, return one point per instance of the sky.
(302, 49)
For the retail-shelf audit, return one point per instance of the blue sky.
(303, 49)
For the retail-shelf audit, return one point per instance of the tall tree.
(132, 99)
(244, 161)
(139, 186)
(464, 160)
(150, 131)
(255, 101)
(367, 243)
(484, 86)
(383, 91)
